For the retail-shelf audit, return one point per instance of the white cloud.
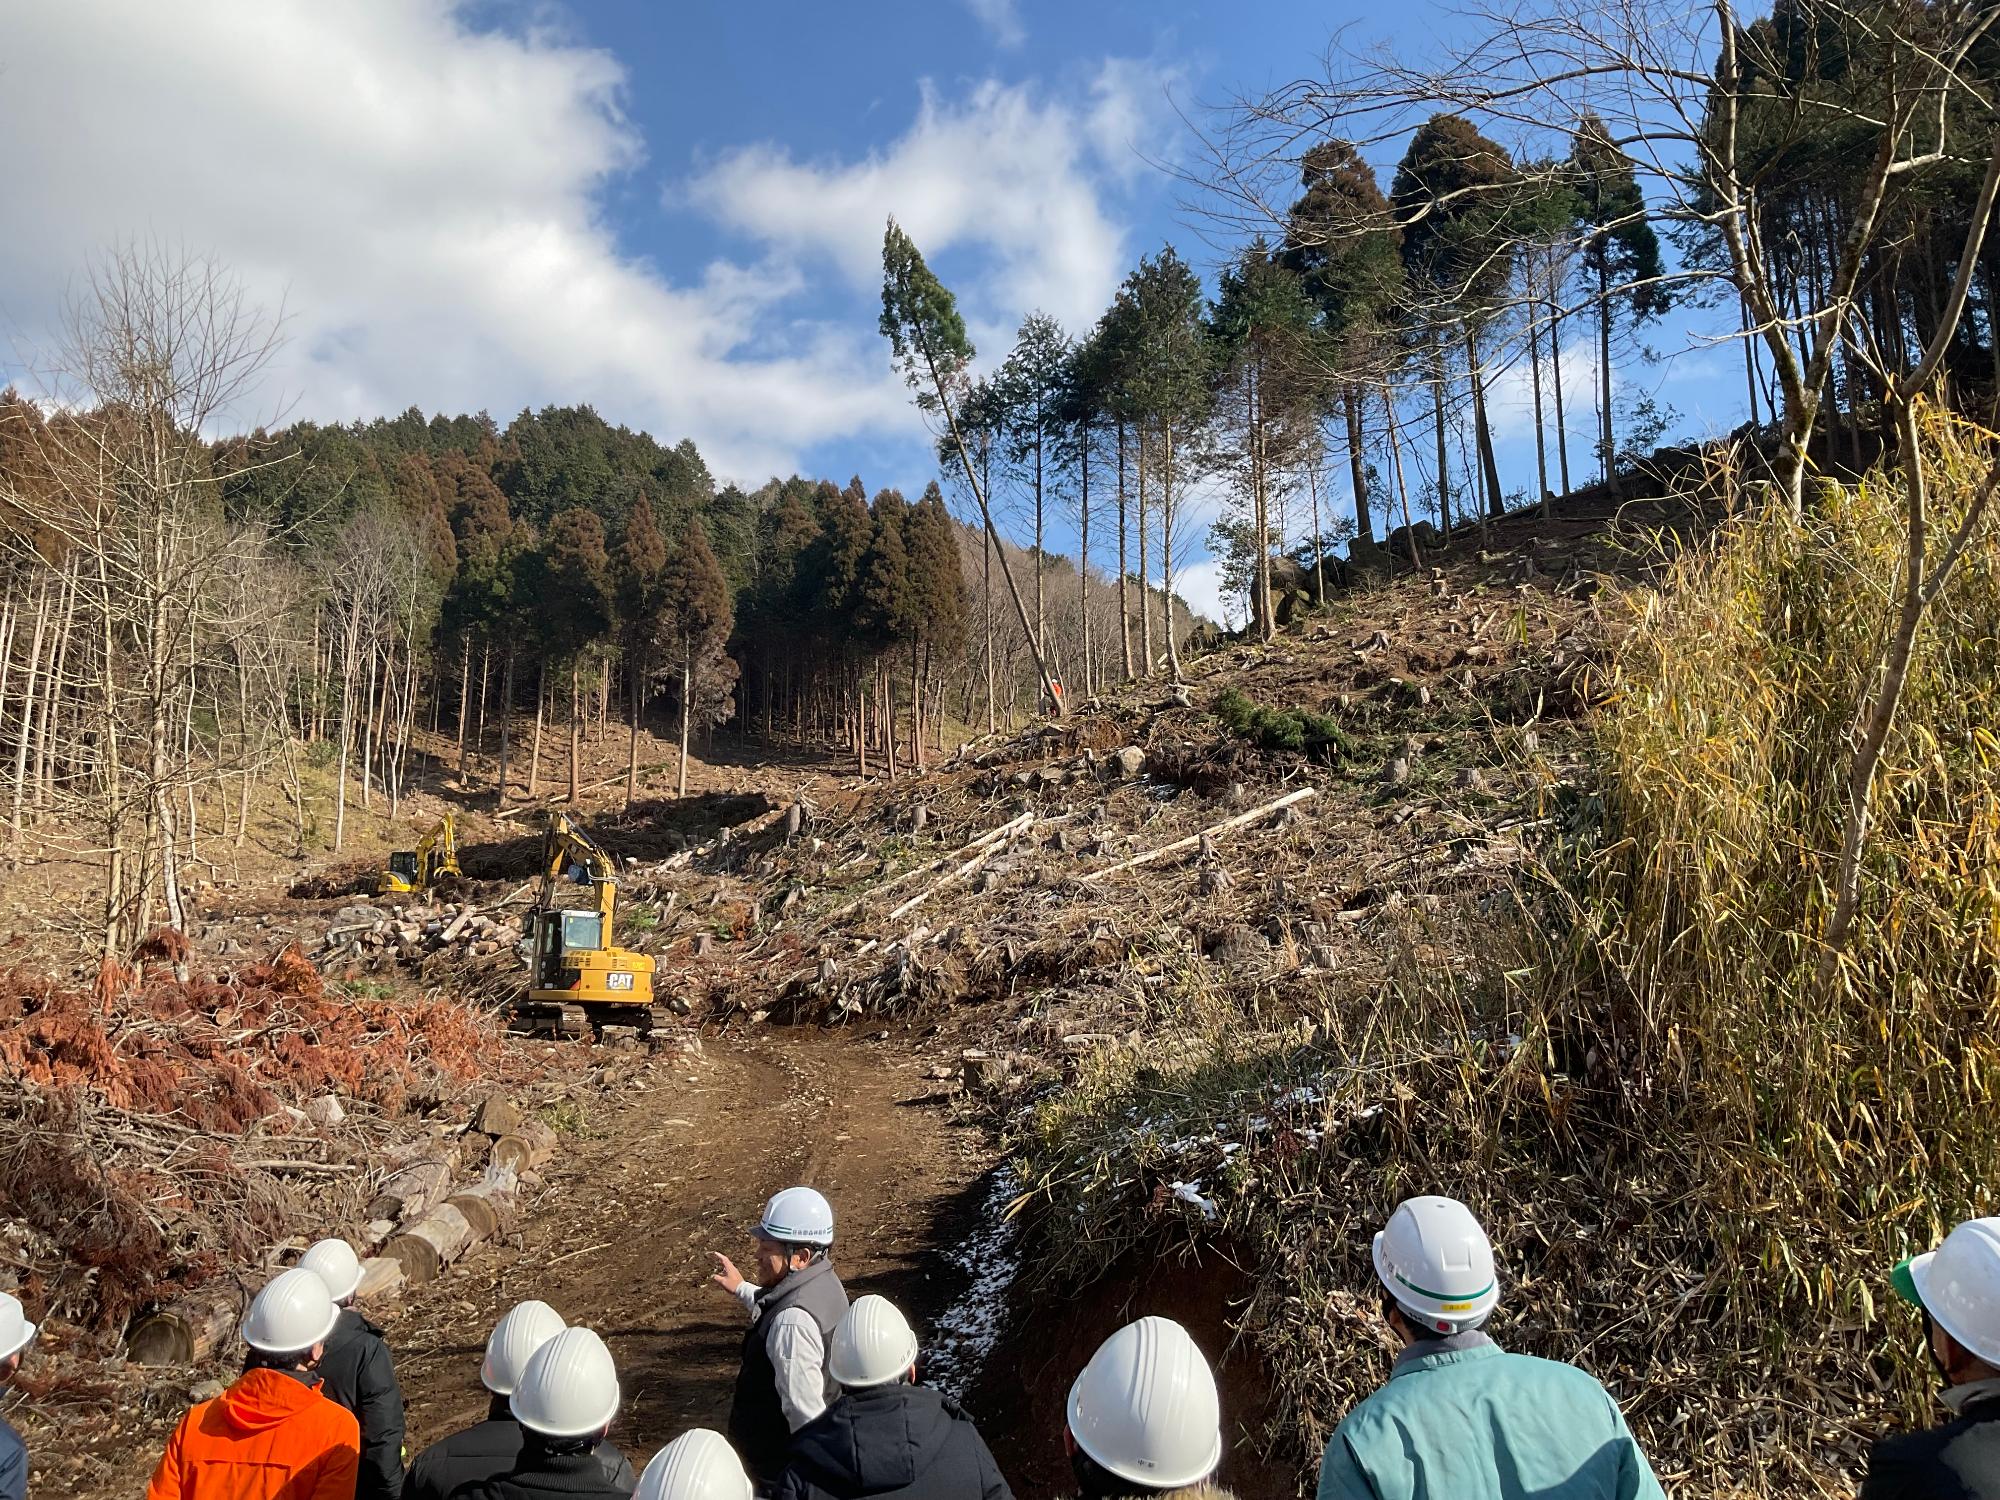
(1002, 20)
(1201, 587)
(424, 199)
(1016, 174)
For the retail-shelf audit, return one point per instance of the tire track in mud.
(618, 1237)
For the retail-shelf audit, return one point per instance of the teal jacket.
(1465, 1421)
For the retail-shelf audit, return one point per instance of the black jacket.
(1958, 1461)
(488, 1449)
(541, 1475)
(359, 1374)
(895, 1442)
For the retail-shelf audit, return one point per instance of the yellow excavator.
(579, 980)
(433, 862)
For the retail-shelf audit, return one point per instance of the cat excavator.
(431, 864)
(579, 980)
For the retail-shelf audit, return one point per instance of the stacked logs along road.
(417, 1226)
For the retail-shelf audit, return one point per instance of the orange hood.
(261, 1399)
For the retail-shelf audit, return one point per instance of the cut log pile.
(486, 936)
(417, 1227)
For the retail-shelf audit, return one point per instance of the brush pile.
(160, 1129)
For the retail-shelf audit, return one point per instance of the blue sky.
(671, 212)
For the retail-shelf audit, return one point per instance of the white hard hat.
(570, 1387)
(697, 1465)
(522, 1330)
(797, 1216)
(1145, 1407)
(16, 1332)
(872, 1345)
(1958, 1284)
(1437, 1263)
(335, 1263)
(292, 1313)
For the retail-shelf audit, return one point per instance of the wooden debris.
(1194, 840)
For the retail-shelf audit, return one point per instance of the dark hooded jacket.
(892, 1442)
(572, 1473)
(488, 1449)
(1958, 1461)
(359, 1374)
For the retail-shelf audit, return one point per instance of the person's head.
(522, 1330)
(568, 1393)
(1143, 1416)
(873, 1345)
(335, 1263)
(288, 1322)
(796, 1230)
(1957, 1287)
(16, 1333)
(697, 1465)
(1436, 1269)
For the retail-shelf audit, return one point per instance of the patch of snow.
(964, 1334)
(1190, 1192)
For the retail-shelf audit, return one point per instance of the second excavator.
(432, 865)
(579, 979)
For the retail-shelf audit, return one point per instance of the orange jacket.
(270, 1436)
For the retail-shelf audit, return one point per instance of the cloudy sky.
(671, 212)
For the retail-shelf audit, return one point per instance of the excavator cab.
(402, 871)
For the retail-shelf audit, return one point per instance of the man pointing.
(795, 1304)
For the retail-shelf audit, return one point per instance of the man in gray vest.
(784, 1383)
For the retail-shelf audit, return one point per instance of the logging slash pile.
(159, 1128)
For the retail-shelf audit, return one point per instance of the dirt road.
(618, 1237)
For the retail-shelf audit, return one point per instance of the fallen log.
(194, 1329)
(411, 1190)
(1194, 839)
(992, 836)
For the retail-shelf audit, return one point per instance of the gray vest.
(757, 1427)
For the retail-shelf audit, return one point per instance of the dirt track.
(618, 1237)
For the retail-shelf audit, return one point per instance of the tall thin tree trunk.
(1319, 546)
(576, 715)
(1267, 617)
(535, 745)
(249, 751)
(1357, 466)
(506, 721)
(1750, 357)
(1607, 444)
(506, 705)
(1041, 569)
(1145, 581)
(1535, 380)
(632, 680)
(1083, 562)
(986, 597)
(1167, 547)
(1443, 456)
(1482, 431)
(687, 714)
(1124, 606)
(1402, 487)
(1556, 378)
(464, 694)
(28, 692)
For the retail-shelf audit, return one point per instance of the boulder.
(497, 1115)
(1124, 764)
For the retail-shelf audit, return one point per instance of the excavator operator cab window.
(582, 931)
(403, 864)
